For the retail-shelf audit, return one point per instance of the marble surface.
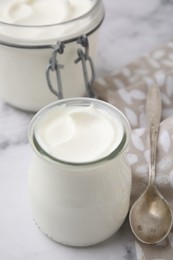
(131, 28)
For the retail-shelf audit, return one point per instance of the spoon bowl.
(151, 217)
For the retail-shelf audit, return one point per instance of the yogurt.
(79, 134)
(43, 16)
(79, 180)
(42, 12)
(29, 30)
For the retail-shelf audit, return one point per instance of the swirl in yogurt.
(78, 134)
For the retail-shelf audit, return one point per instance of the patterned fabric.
(127, 90)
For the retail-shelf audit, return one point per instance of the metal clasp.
(55, 66)
(83, 56)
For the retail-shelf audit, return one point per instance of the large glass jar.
(25, 52)
(79, 204)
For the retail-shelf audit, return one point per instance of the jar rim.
(18, 35)
(74, 102)
(97, 2)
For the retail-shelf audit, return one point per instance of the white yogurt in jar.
(79, 179)
(41, 12)
(79, 134)
(32, 25)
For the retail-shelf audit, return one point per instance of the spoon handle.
(153, 109)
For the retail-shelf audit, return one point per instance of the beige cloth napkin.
(127, 90)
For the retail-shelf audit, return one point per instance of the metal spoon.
(151, 217)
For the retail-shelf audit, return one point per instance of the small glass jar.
(79, 204)
(25, 52)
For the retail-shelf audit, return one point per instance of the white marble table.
(130, 29)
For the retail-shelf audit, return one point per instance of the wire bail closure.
(83, 56)
(55, 66)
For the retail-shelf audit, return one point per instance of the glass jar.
(26, 52)
(79, 204)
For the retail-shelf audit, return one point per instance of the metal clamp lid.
(83, 56)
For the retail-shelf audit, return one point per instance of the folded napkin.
(127, 90)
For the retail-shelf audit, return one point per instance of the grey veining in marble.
(130, 29)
